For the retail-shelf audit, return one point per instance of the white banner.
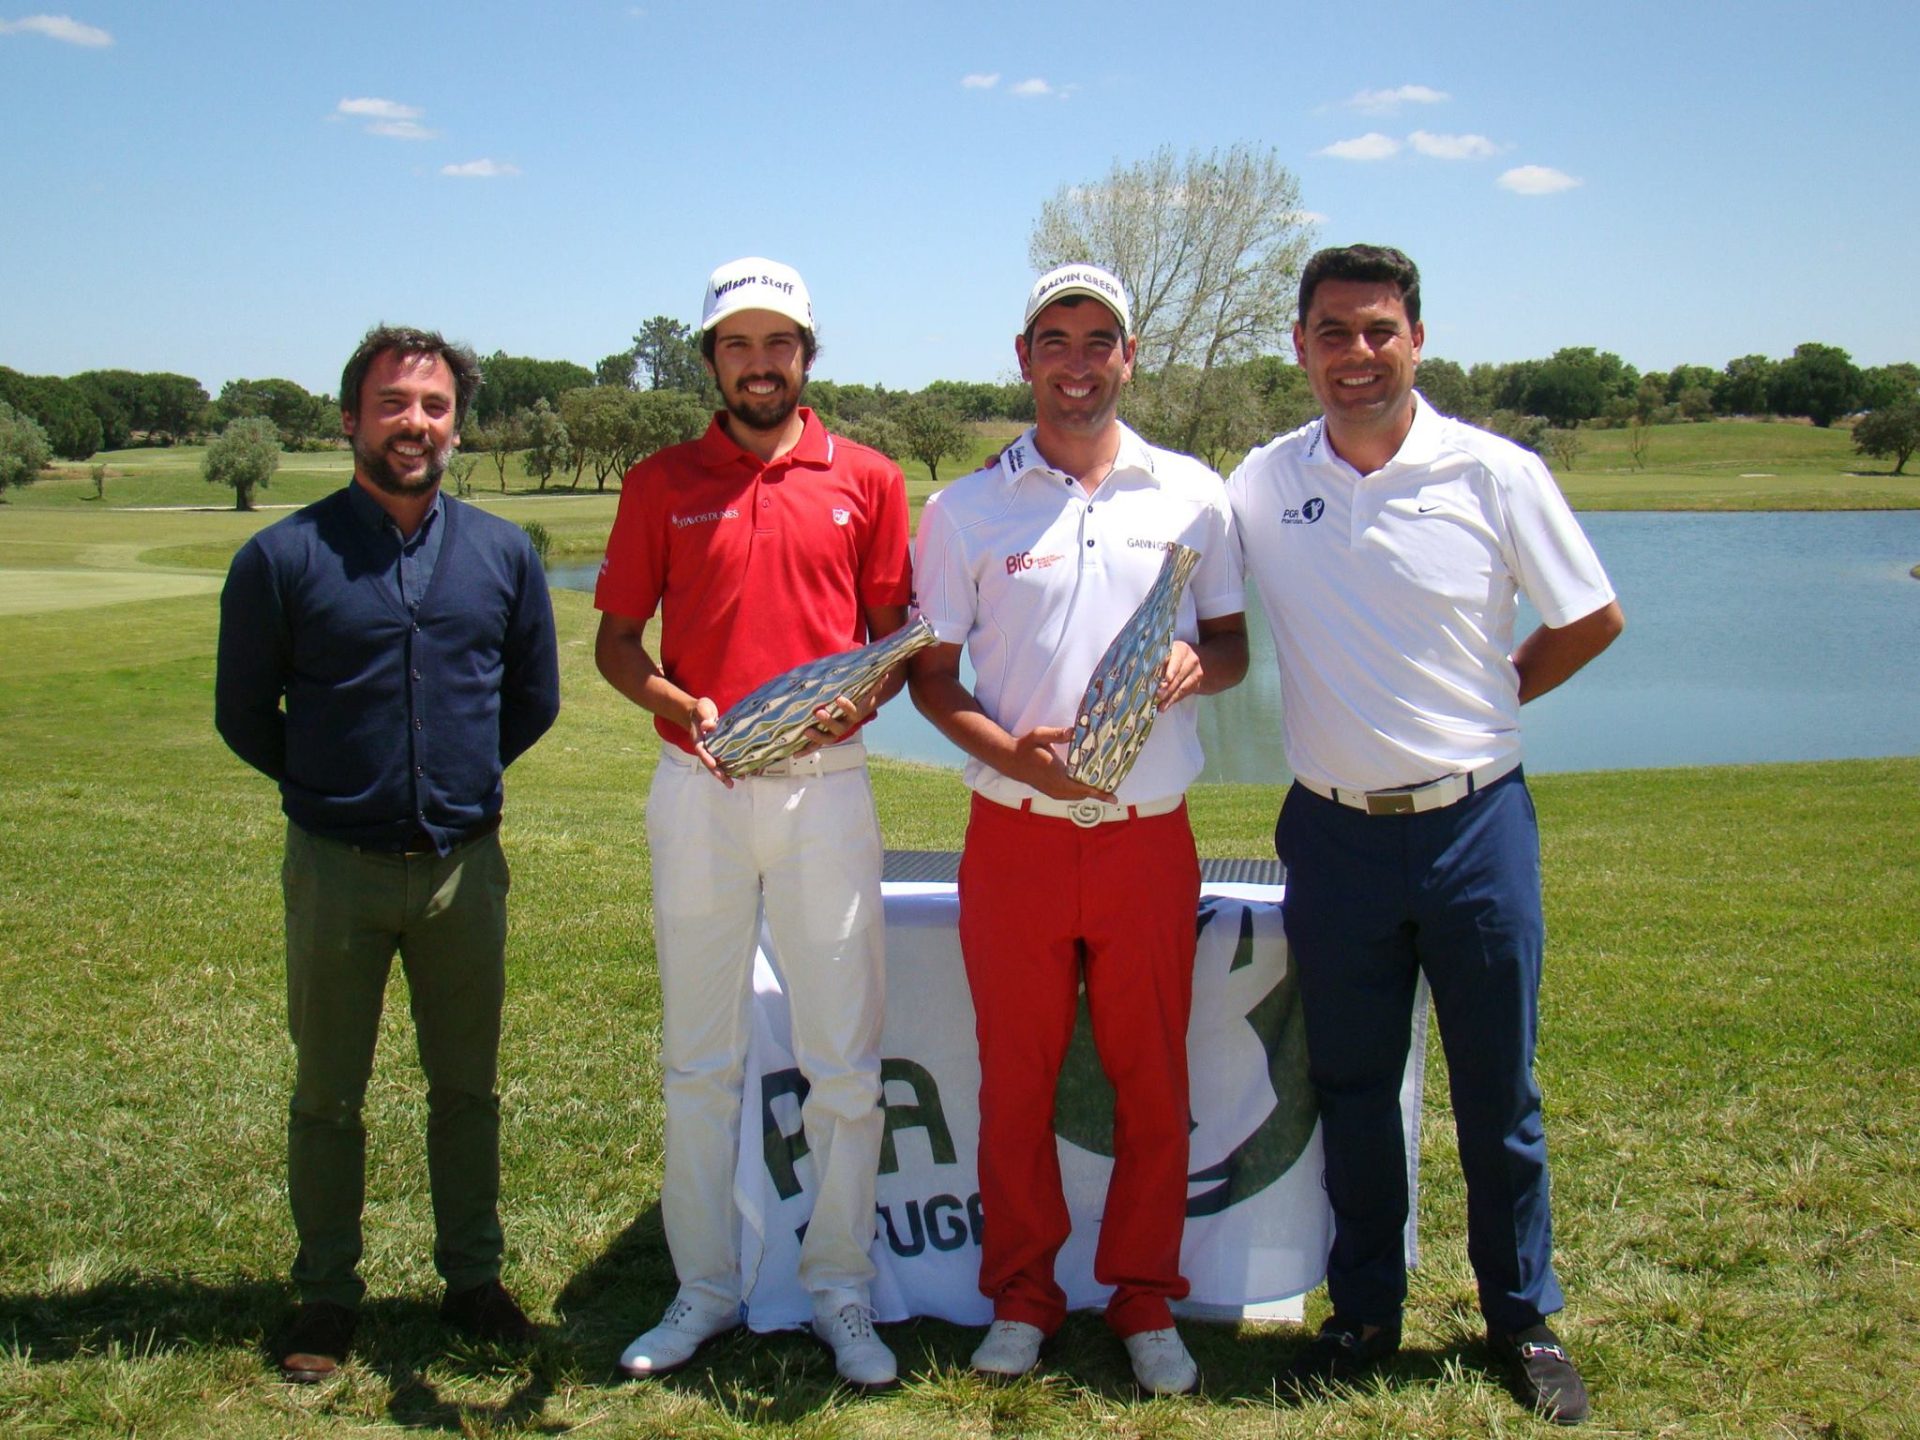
(1258, 1228)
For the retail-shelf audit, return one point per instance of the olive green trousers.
(349, 911)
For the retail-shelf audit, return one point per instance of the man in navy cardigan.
(384, 655)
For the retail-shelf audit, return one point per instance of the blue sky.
(231, 190)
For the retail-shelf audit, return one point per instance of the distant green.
(1718, 465)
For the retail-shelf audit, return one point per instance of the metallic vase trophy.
(1117, 710)
(777, 719)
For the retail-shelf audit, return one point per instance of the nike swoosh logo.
(1428, 509)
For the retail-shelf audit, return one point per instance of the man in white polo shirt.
(1033, 565)
(764, 544)
(1388, 545)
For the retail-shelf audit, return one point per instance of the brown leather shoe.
(488, 1312)
(317, 1342)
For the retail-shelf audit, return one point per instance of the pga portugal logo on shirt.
(1306, 514)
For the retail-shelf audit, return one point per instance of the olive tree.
(930, 432)
(244, 455)
(1890, 433)
(24, 449)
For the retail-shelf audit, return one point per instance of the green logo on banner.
(1083, 1101)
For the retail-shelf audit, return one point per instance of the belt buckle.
(1086, 813)
(1390, 802)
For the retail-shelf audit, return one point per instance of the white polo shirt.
(1035, 577)
(1392, 596)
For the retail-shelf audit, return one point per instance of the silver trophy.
(777, 719)
(1117, 709)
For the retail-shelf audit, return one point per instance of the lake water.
(1750, 637)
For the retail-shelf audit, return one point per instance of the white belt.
(847, 755)
(1089, 813)
(1414, 799)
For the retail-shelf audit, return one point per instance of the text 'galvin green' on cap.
(1079, 279)
(756, 284)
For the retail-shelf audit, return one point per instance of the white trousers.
(809, 849)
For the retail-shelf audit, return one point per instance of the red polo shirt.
(755, 568)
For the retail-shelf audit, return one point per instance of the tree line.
(1209, 245)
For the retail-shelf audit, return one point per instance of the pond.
(1750, 637)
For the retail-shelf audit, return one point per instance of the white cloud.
(481, 170)
(1035, 86)
(57, 27)
(980, 82)
(1385, 102)
(402, 130)
(372, 109)
(1452, 147)
(386, 117)
(1537, 180)
(1371, 146)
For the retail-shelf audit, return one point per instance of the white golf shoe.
(859, 1354)
(1161, 1363)
(691, 1320)
(1011, 1348)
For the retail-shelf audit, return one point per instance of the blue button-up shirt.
(385, 681)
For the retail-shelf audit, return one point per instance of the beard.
(762, 413)
(373, 464)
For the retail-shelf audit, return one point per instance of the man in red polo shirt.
(762, 545)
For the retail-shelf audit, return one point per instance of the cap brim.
(1067, 292)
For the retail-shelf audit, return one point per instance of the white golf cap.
(756, 284)
(1082, 279)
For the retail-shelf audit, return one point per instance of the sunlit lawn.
(1730, 1058)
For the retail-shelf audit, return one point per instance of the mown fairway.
(1722, 465)
(1730, 1060)
(1734, 465)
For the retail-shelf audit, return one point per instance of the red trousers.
(1045, 903)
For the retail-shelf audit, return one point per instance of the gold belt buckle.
(1390, 802)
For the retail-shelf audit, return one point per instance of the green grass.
(1734, 465)
(1730, 1060)
(1721, 465)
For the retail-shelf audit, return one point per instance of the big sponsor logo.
(1232, 1161)
(1306, 514)
(943, 1221)
(1226, 1167)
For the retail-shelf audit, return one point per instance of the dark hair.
(809, 344)
(1363, 262)
(409, 341)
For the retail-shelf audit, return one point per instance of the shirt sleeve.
(530, 664)
(1553, 562)
(1219, 582)
(944, 588)
(633, 577)
(886, 574)
(252, 663)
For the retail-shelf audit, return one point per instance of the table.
(1258, 1227)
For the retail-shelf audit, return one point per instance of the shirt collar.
(1424, 441)
(1023, 457)
(719, 450)
(1422, 445)
(370, 513)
